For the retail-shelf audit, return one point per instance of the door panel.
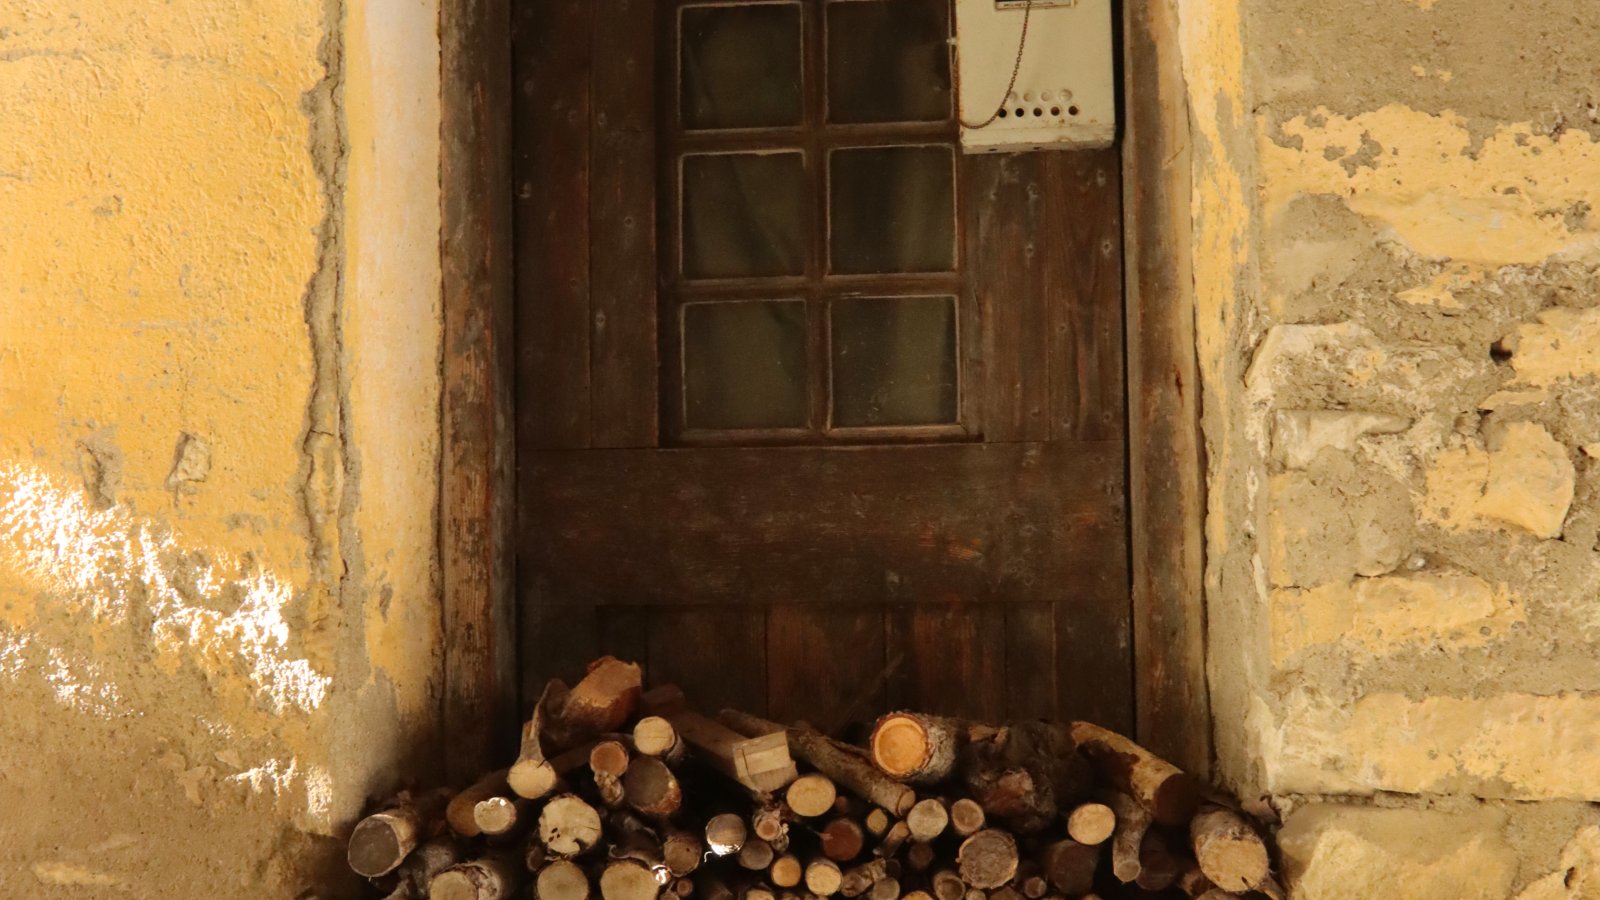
(882, 555)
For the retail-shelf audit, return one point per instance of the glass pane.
(745, 364)
(888, 61)
(740, 66)
(893, 209)
(744, 215)
(894, 361)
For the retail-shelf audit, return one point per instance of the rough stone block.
(1343, 852)
(1531, 479)
(1336, 520)
(1513, 746)
(1303, 433)
(1560, 344)
(1577, 877)
(1392, 613)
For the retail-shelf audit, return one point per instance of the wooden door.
(816, 415)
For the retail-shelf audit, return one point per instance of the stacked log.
(621, 794)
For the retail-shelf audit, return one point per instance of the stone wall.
(1398, 288)
(219, 357)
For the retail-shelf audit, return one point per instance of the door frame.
(479, 707)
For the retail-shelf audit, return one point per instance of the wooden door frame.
(476, 522)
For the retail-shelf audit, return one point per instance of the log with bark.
(848, 768)
(1169, 794)
(381, 841)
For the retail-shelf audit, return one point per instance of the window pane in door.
(888, 61)
(892, 209)
(744, 364)
(739, 66)
(744, 214)
(894, 361)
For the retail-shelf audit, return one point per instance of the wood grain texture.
(979, 522)
(622, 210)
(553, 114)
(823, 663)
(1031, 691)
(955, 659)
(1084, 290)
(717, 654)
(1007, 230)
(1166, 474)
(479, 704)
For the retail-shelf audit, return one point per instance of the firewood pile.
(622, 794)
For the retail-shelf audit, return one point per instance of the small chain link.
(1016, 67)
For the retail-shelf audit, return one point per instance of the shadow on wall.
(163, 725)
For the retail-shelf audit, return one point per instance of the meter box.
(1064, 96)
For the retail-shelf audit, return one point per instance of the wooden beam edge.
(479, 704)
(1166, 450)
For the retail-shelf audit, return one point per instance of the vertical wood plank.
(954, 658)
(1083, 287)
(476, 499)
(622, 206)
(624, 632)
(559, 639)
(1030, 655)
(1007, 235)
(824, 664)
(553, 111)
(1166, 480)
(717, 654)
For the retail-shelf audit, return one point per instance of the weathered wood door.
(816, 415)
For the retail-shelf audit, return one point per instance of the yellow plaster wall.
(219, 348)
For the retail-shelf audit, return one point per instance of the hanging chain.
(1016, 67)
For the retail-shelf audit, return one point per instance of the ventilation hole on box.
(1020, 113)
(1055, 111)
(1002, 113)
(1037, 111)
(1072, 110)
(1500, 352)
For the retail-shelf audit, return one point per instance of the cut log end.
(380, 843)
(967, 817)
(927, 820)
(726, 834)
(823, 877)
(655, 736)
(1091, 823)
(843, 840)
(756, 855)
(811, 795)
(651, 788)
(532, 779)
(483, 879)
(568, 826)
(786, 871)
(627, 879)
(609, 758)
(988, 859)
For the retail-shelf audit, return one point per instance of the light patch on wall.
(104, 562)
(1518, 198)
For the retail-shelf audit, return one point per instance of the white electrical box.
(1064, 96)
